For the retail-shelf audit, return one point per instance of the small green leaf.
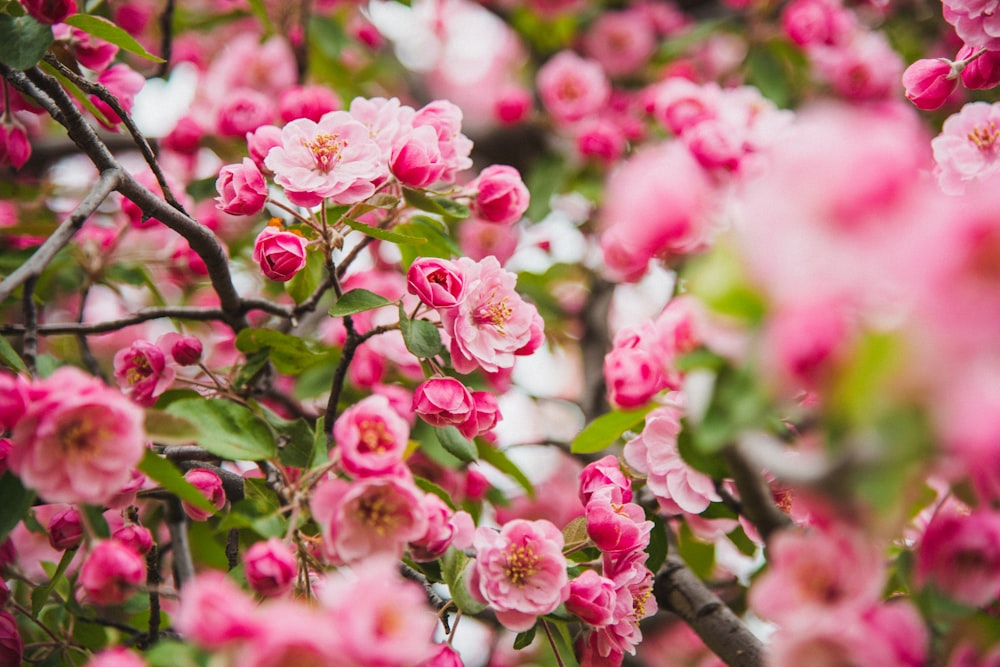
(15, 501)
(171, 653)
(164, 428)
(658, 545)
(606, 429)
(166, 474)
(304, 283)
(575, 534)
(421, 337)
(430, 487)
(380, 200)
(457, 444)
(95, 519)
(320, 453)
(419, 199)
(357, 301)
(454, 570)
(295, 439)
(524, 639)
(698, 555)
(452, 208)
(228, 430)
(104, 29)
(11, 358)
(255, 362)
(383, 234)
(290, 354)
(499, 460)
(40, 595)
(23, 41)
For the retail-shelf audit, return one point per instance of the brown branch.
(678, 590)
(29, 344)
(167, 38)
(179, 543)
(756, 500)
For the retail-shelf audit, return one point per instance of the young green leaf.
(11, 358)
(357, 301)
(499, 460)
(421, 337)
(23, 41)
(104, 29)
(40, 595)
(228, 430)
(15, 501)
(166, 474)
(383, 234)
(457, 444)
(305, 282)
(524, 639)
(607, 428)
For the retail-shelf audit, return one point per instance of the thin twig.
(29, 343)
(167, 38)
(756, 500)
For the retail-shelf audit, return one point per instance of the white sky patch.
(162, 102)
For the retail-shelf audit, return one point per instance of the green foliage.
(260, 511)
(496, 458)
(421, 337)
(524, 639)
(357, 301)
(15, 501)
(23, 41)
(10, 358)
(454, 571)
(456, 444)
(166, 474)
(606, 429)
(228, 430)
(305, 282)
(103, 29)
(445, 206)
(40, 595)
(392, 236)
(289, 354)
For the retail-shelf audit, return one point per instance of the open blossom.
(592, 598)
(446, 120)
(280, 254)
(111, 572)
(334, 159)
(78, 440)
(616, 526)
(960, 554)
(967, 149)
(492, 323)
(977, 22)
(371, 437)
(214, 612)
(572, 87)
(622, 41)
(142, 372)
(367, 516)
(520, 571)
(444, 529)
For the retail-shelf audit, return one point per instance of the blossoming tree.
(542, 332)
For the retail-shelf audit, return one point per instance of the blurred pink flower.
(215, 613)
(960, 554)
(116, 657)
(111, 572)
(572, 87)
(306, 102)
(270, 567)
(977, 22)
(501, 195)
(622, 41)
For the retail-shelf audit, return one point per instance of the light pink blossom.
(572, 87)
(111, 572)
(977, 22)
(444, 528)
(334, 159)
(809, 22)
(142, 372)
(602, 474)
(306, 102)
(116, 657)
(520, 571)
(616, 526)
(622, 41)
(78, 440)
(446, 120)
(485, 415)
(967, 148)
(371, 437)
(215, 613)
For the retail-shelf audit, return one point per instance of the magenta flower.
(443, 401)
(602, 474)
(520, 571)
(49, 11)
(616, 526)
(485, 415)
(11, 644)
(124, 83)
(111, 573)
(214, 612)
(930, 81)
(417, 160)
(310, 102)
(371, 437)
(116, 657)
(968, 147)
(592, 598)
(242, 189)
(437, 282)
(142, 372)
(135, 537)
(65, 529)
(492, 323)
(280, 254)
(335, 158)
(78, 440)
(501, 195)
(960, 554)
(270, 567)
(209, 484)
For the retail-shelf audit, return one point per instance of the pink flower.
(135, 537)
(49, 11)
(501, 195)
(572, 87)
(307, 102)
(967, 148)
(512, 105)
(445, 656)
(454, 147)
(592, 598)
(809, 22)
(92, 52)
(215, 613)
(368, 516)
(678, 104)
(111, 573)
(632, 374)
(622, 41)
(185, 350)
(270, 567)
(186, 136)
(438, 282)
(142, 372)
(983, 72)
(280, 254)
(242, 189)
(444, 527)
(600, 138)
(243, 111)
(485, 415)
(116, 657)
(864, 68)
(389, 122)
(930, 81)
(15, 397)
(977, 22)
(417, 161)
(11, 644)
(78, 441)
(123, 82)
(15, 149)
(520, 571)
(210, 485)
(65, 529)
(286, 633)
(371, 437)
(616, 526)
(334, 158)
(479, 240)
(602, 474)
(677, 487)
(261, 141)
(492, 323)
(443, 401)
(960, 554)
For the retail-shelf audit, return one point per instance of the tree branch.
(756, 500)
(678, 590)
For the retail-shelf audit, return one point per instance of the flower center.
(326, 150)
(377, 514)
(139, 370)
(495, 312)
(522, 562)
(639, 605)
(79, 438)
(985, 138)
(374, 437)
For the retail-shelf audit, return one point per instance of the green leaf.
(737, 404)
(23, 41)
(95, 519)
(320, 452)
(15, 501)
(770, 73)
(420, 200)
(383, 234)
(170, 653)
(606, 429)
(304, 283)
(295, 439)
(575, 534)
(658, 545)
(260, 511)
(698, 555)
(40, 595)
(421, 337)
(430, 487)
(228, 430)
(456, 444)
(167, 429)
(290, 354)
(104, 29)
(454, 569)
(499, 460)
(524, 639)
(166, 474)
(357, 301)
(452, 208)
(11, 358)
(255, 362)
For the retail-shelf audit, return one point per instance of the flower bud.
(15, 149)
(929, 82)
(438, 282)
(242, 189)
(501, 196)
(485, 415)
(49, 11)
(443, 401)
(280, 254)
(186, 350)
(11, 644)
(210, 485)
(445, 656)
(981, 72)
(592, 598)
(65, 529)
(111, 572)
(137, 538)
(270, 567)
(116, 657)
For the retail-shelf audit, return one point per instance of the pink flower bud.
(65, 529)
(242, 189)
(929, 82)
(501, 195)
(186, 136)
(123, 82)
(5, 447)
(4, 593)
(307, 102)
(186, 350)
(270, 567)
(484, 417)
(137, 538)
(417, 161)
(981, 73)
(280, 254)
(443, 401)
(111, 572)
(210, 486)
(92, 52)
(261, 140)
(445, 656)
(513, 105)
(116, 657)
(602, 474)
(244, 110)
(438, 282)
(15, 149)
(592, 598)
(11, 644)
(49, 11)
